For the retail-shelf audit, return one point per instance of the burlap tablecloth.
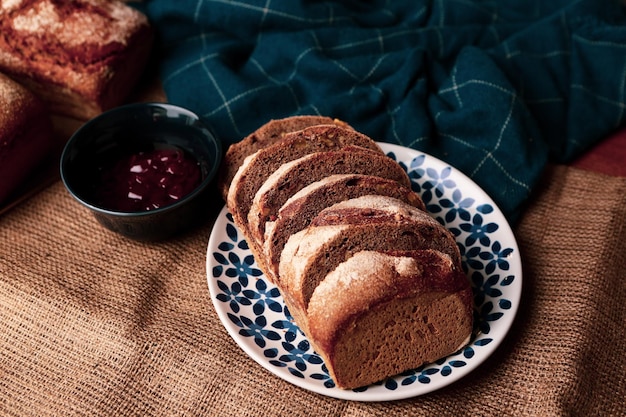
(94, 324)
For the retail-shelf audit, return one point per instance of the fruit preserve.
(148, 180)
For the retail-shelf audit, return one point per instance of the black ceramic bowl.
(141, 129)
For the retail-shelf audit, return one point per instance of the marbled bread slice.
(296, 214)
(377, 223)
(257, 167)
(268, 134)
(294, 176)
(388, 313)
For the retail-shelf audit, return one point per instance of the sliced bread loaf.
(374, 282)
(379, 314)
(296, 214)
(372, 223)
(268, 134)
(294, 176)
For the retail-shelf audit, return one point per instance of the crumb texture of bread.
(259, 166)
(268, 134)
(291, 177)
(401, 312)
(80, 56)
(297, 212)
(369, 276)
(311, 254)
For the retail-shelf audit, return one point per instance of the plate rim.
(503, 327)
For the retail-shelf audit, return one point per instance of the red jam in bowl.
(148, 180)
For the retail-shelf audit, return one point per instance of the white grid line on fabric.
(508, 174)
(276, 82)
(187, 66)
(381, 41)
(196, 13)
(492, 29)
(457, 139)
(500, 136)
(266, 10)
(620, 105)
(440, 41)
(489, 156)
(259, 67)
(599, 43)
(220, 92)
(238, 97)
(387, 37)
(295, 18)
(477, 81)
(550, 54)
(455, 87)
(391, 114)
(441, 14)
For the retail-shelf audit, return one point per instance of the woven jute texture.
(94, 324)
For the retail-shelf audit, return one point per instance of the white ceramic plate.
(253, 312)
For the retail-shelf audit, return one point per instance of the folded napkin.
(495, 88)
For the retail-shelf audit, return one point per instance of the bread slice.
(268, 134)
(369, 223)
(380, 314)
(294, 176)
(296, 214)
(257, 167)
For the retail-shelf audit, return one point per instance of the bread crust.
(258, 167)
(80, 56)
(25, 134)
(407, 309)
(296, 214)
(270, 133)
(340, 231)
(293, 176)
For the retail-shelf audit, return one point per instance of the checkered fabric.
(495, 88)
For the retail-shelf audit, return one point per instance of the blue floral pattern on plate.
(255, 316)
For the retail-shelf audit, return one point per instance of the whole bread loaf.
(374, 282)
(80, 56)
(25, 134)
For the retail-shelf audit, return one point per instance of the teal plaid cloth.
(495, 88)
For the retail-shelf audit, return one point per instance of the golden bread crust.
(81, 56)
